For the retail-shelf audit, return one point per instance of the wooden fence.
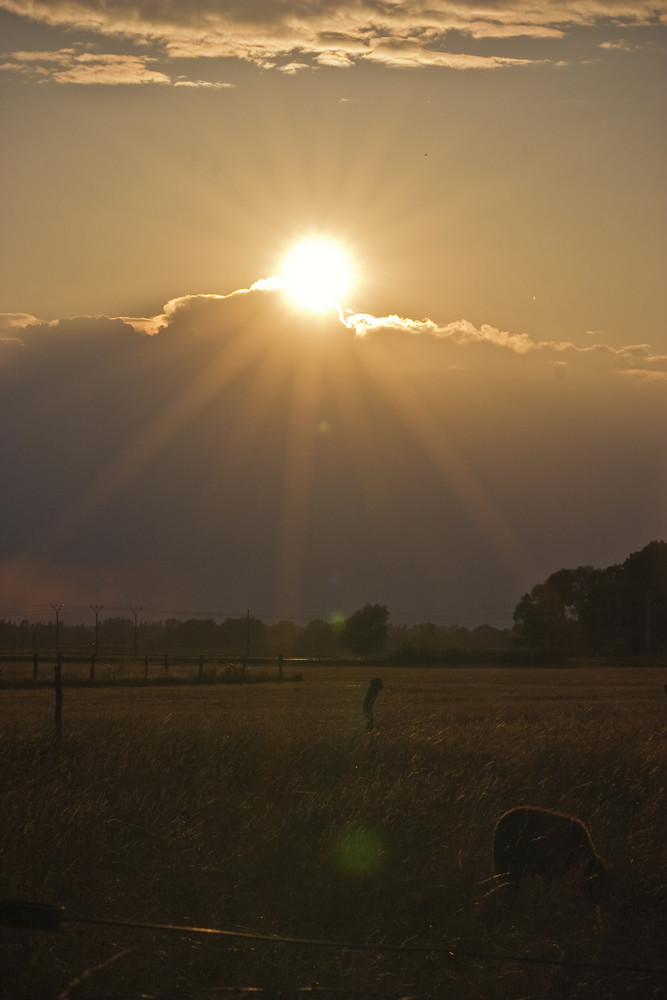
(21, 668)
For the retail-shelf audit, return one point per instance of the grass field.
(269, 808)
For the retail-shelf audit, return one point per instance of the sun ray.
(232, 361)
(296, 506)
(452, 468)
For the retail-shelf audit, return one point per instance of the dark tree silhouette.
(366, 629)
(587, 611)
(551, 614)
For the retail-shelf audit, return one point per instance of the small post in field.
(59, 695)
(57, 608)
(369, 701)
(97, 608)
(92, 667)
(35, 663)
(135, 609)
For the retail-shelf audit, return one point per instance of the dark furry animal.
(531, 841)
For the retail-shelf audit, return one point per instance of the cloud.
(656, 377)
(211, 317)
(183, 81)
(78, 65)
(462, 337)
(290, 35)
(109, 69)
(16, 321)
(179, 457)
(621, 46)
(411, 54)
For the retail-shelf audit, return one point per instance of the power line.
(466, 614)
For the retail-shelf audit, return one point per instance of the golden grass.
(270, 808)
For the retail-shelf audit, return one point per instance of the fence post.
(35, 661)
(59, 695)
(92, 668)
(369, 700)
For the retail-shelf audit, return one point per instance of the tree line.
(591, 612)
(366, 632)
(615, 611)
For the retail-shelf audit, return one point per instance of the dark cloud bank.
(232, 453)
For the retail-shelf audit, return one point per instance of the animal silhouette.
(532, 841)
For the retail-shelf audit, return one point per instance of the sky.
(484, 404)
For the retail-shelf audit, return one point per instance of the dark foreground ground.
(270, 809)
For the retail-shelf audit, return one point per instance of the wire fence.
(50, 917)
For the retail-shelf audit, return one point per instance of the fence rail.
(76, 668)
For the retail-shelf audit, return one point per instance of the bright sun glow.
(317, 274)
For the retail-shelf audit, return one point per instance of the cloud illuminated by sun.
(317, 274)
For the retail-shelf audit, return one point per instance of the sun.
(316, 274)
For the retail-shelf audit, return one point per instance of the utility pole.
(97, 608)
(57, 608)
(135, 609)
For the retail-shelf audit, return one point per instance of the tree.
(366, 629)
(320, 638)
(235, 634)
(645, 590)
(283, 637)
(589, 611)
(551, 615)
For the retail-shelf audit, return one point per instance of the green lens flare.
(358, 853)
(336, 621)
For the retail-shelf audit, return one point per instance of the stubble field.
(269, 808)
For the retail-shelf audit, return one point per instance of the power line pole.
(57, 608)
(135, 609)
(97, 608)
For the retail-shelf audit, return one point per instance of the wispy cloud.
(462, 336)
(77, 65)
(183, 81)
(290, 36)
(10, 322)
(621, 46)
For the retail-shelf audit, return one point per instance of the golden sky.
(487, 406)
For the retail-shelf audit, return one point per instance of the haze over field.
(483, 405)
